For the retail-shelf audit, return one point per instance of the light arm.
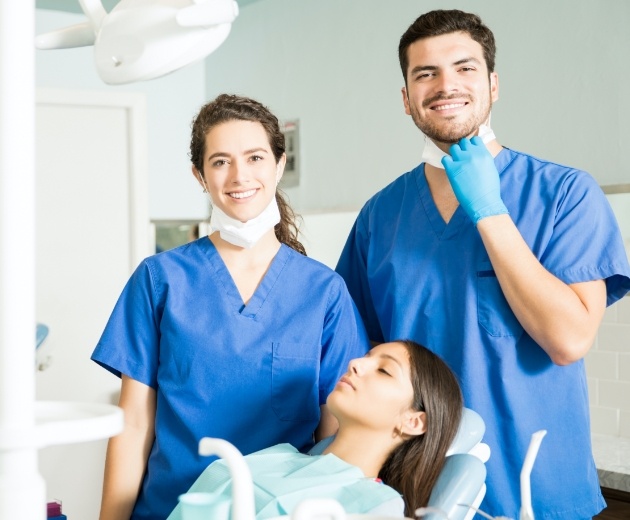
(563, 319)
(79, 35)
(127, 453)
(94, 10)
(207, 13)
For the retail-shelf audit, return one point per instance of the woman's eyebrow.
(218, 154)
(246, 152)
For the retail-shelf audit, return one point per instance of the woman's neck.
(262, 252)
(367, 449)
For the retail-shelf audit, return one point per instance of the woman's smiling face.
(240, 169)
(376, 390)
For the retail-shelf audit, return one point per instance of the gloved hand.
(475, 180)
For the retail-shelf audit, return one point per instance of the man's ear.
(414, 423)
(494, 86)
(405, 100)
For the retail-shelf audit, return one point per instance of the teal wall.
(332, 64)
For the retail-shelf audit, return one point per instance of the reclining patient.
(398, 409)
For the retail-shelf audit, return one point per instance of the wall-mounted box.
(291, 132)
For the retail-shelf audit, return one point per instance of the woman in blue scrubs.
(398, 409)
(237, 335)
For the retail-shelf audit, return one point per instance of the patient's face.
(376, 390)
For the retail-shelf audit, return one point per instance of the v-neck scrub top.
(414, 276)
(252, 374)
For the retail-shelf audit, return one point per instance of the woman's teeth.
(242, 194)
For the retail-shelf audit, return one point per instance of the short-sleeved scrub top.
(412, 275)
(283, 477)
(252, 374)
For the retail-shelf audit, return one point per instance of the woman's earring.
(204, 190)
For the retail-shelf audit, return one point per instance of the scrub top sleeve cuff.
(125, 367)
(616, 277)
(130, 342)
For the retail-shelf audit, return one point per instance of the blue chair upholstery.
(469, 434)
(463, 477)
(41, 331)
(42, 358)
(460, 484)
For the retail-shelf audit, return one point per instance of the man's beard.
(451, 133)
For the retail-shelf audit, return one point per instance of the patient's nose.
(355, 366)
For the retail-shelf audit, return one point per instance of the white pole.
(243, 507)
(22, 490)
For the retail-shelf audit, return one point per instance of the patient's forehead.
(394, 350)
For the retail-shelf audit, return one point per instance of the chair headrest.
(470, 432)
(41, 331)
(461, 481)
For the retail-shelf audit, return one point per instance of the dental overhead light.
(145, 39)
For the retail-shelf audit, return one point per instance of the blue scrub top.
(252, 374)
(414, 276)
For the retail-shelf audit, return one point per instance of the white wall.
(608, 371)
(324, 234)
(333, 64)
(172, 102)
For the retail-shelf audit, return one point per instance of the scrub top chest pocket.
(295, 381)
(493, 311)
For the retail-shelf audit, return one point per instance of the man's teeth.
(242, 194)
(452, 105)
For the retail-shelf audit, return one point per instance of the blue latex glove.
(475, 180)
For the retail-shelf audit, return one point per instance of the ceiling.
(72, 6)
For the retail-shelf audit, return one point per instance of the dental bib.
(433, 155)
(245, 234)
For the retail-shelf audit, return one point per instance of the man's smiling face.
(449, 92)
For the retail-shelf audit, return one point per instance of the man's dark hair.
(439, 22)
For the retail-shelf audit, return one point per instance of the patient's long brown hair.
(413, 467)
(228, 107)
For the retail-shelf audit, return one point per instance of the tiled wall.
(608, 371)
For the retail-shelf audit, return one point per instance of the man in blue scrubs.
(500, 262)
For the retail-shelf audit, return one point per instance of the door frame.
(135, 107)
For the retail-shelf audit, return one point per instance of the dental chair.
(462, 479)
(42, 356)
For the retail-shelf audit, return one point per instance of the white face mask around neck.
(433, 155)
(245, 234)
